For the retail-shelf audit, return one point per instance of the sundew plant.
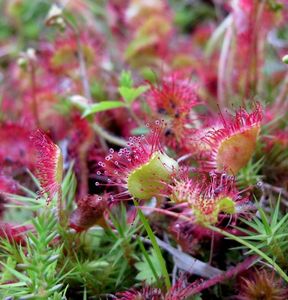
(144, 149)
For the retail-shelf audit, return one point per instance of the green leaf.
(252, 248)
(140, 130)
(126, 89)
(17, 274)
(6, 275)
(102, 106)
(139, 43)
(9, 285)
(275, 215)
(281, 223)
(130, 94)
(145, 271)
(155, 245)
(148, 260)
(265, 221)
(126, 79)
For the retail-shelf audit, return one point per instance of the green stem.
(248, 245)
(146, 255)
(60, 209)
(108, 136)
(103, 134)
(155, 246)
(134, 116)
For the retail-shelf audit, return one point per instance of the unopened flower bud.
(60, 22)
(22, 63)
(54, 13)
(31, 54)
(80, 102)
(89, 212)
(285, 59)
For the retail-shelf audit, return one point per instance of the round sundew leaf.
(62, 57)
(226, 205)
(148, 180)
(235, 152)
(203, 218)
